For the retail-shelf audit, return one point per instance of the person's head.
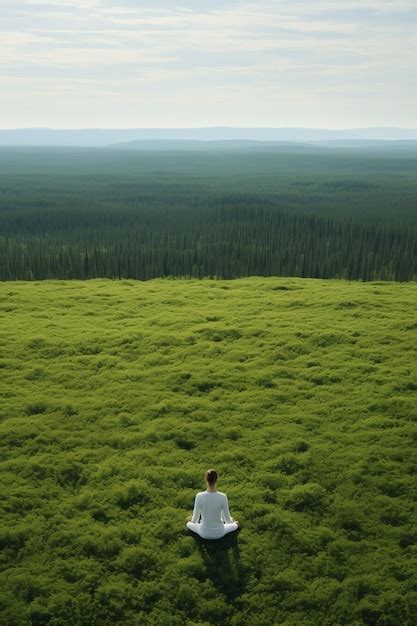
(211, 477)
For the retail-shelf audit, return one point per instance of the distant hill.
(103, 137)
(210, 146)
(233, 145)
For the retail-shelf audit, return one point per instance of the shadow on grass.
(221, 558)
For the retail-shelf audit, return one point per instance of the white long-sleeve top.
(213, 507)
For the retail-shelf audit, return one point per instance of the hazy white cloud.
(271, 62)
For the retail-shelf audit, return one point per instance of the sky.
(269, 63)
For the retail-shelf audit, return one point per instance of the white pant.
(212, 533)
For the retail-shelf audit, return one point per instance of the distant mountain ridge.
(98, 137)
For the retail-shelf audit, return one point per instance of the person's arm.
(226, 513)
(197, 510)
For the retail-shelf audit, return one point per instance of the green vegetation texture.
(272, 211)
(117, 395)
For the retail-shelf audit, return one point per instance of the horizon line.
(215, 127)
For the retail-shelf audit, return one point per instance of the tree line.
(216, 243)
(144, 216)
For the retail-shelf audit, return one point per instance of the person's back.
(213, 508)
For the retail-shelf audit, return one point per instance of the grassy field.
(117, 395)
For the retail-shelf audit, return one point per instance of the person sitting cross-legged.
(213, 508)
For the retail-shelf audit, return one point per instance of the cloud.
(282, 47)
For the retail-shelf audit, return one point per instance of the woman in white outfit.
(213, 508)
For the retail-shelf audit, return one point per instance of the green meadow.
(117, 395)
